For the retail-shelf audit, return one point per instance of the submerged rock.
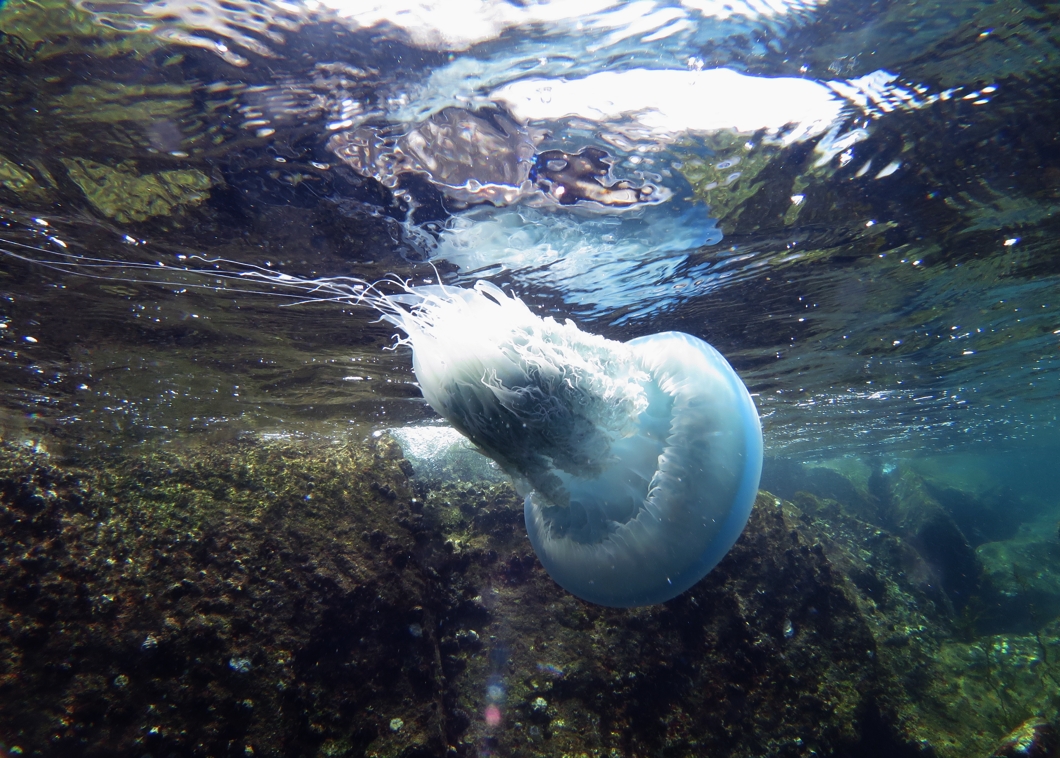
(1034, 738)
(276, 620)
(993, 682)
(304, 598)
(894, 498)
(124, 195)
(932, 531)
(1024, 577)
(967, 673)
(18, 182)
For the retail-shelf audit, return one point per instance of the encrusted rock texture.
(296, 598)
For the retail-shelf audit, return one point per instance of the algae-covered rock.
(920, 518)
(19, 182)
(47, 28)
(256, 599)
(978, 492)
(729, 176)
(956, 694)
(1024, 576)
(985, 688)
(298, 598)
(124, 195)
(848, 480)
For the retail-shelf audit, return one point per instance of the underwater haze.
(262, 482)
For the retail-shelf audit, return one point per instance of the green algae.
(984, 689)
(124, 195)
(729, 177)
(117, 102)
(20, 182)
(52, 28)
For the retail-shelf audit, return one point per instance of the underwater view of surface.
(529, 378)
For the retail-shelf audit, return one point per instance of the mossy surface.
(49, 28)
(124, 195)
(179, 601)
(19, 182)
(726, 175)
(290, 597)
(996, 682)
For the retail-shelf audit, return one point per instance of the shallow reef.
(289, 597)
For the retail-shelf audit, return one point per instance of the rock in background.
(980, 561)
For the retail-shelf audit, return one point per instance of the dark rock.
(1022, 580)
(926, 525)
(982, 517)
(847, 481)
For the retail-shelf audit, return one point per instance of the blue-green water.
(856, 204)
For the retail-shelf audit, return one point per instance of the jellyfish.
(638, 462)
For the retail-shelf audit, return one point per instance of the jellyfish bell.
(638, 461)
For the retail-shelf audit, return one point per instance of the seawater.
(855, 205)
